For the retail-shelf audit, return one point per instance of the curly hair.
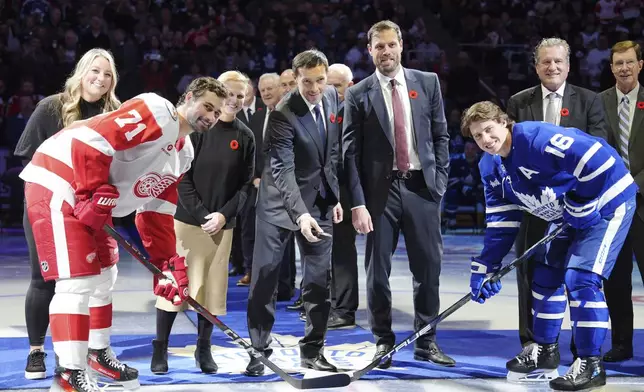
(71, 95)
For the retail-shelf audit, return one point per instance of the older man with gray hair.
(344, 259)
(560, 103)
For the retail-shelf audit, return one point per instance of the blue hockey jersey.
(545, 163)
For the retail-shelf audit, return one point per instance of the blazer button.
(391, 154)
(388, 177)
(316, 187)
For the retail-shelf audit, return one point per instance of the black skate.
(35, 369)
(584, 373)
(73, 380)
(535, 363)
(109, 370)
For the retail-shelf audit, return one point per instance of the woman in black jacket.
(88, 91)
(211, 194)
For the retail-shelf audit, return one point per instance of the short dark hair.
(203, 84)
(624, 46)
(381, 26)
(309, 59)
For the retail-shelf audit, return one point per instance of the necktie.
(624, 131)
(551, 110)
(249, 112)
(320, 122)
(400, 136)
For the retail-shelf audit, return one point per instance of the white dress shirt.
(558, 101)
(401, 87)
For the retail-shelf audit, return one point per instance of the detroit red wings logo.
(153, 184)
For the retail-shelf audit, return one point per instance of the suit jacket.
(297, 160)
(257, 126)
(241, 115)
(584, 106)
(635, 140)
(369, 139)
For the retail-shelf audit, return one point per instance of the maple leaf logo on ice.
(547, 207)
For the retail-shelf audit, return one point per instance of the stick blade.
(336, 380)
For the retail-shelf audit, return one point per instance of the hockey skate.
(107, 370)
(535, 363)
(584, 373)
(73, 380)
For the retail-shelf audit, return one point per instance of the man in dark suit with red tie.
(396, 161)
(559, 103)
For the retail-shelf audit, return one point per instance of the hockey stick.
(328, 381)
(466, 298)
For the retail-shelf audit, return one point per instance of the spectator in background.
(464, 187)
(287, 81)
(195, 72)
(88, 92)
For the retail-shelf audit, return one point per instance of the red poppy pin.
(413, 94)
(640, 105)
(565, 112)
(234, 144)
(339, 119)
(332, 117)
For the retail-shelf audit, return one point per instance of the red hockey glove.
(174, 287)
(97, 210)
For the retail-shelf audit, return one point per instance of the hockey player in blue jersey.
(560, 175)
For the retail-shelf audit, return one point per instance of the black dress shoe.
(337, 322)
(285, 295)
(433, 354)
(236, 271)
(255, 368)
(318, 363)
(618, 354)
(381, 350)
(297, 305)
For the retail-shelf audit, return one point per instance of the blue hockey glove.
(580, 214)
(482, 290)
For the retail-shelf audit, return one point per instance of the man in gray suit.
(560, 103)
(396, 162)
(624, 105)
(298, 195)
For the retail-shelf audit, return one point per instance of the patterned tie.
(400, 136)
(320, 123)
(624, 131)
(551, 112)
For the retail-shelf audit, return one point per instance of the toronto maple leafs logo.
(546, 207)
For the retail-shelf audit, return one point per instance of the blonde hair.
(71, 96)
(483, 111)
(233, 76)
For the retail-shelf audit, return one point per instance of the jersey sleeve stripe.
(53, 165)
(607, 165)
(504, 224)
(497, 209)
(612, 192)
(51, 181)
(92, 139)
(585, 158)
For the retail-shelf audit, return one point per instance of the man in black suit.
(396, 159)
(244, 232)
(298, 195)
(344, 259)
(268, 86)
(626, 123)
(559, 103)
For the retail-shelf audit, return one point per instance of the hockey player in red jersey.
(108, 166)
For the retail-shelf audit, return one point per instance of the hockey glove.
(96, 211)
(580, 214)
(482, 290)
(174, 285)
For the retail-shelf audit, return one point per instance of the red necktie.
(400, 136)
